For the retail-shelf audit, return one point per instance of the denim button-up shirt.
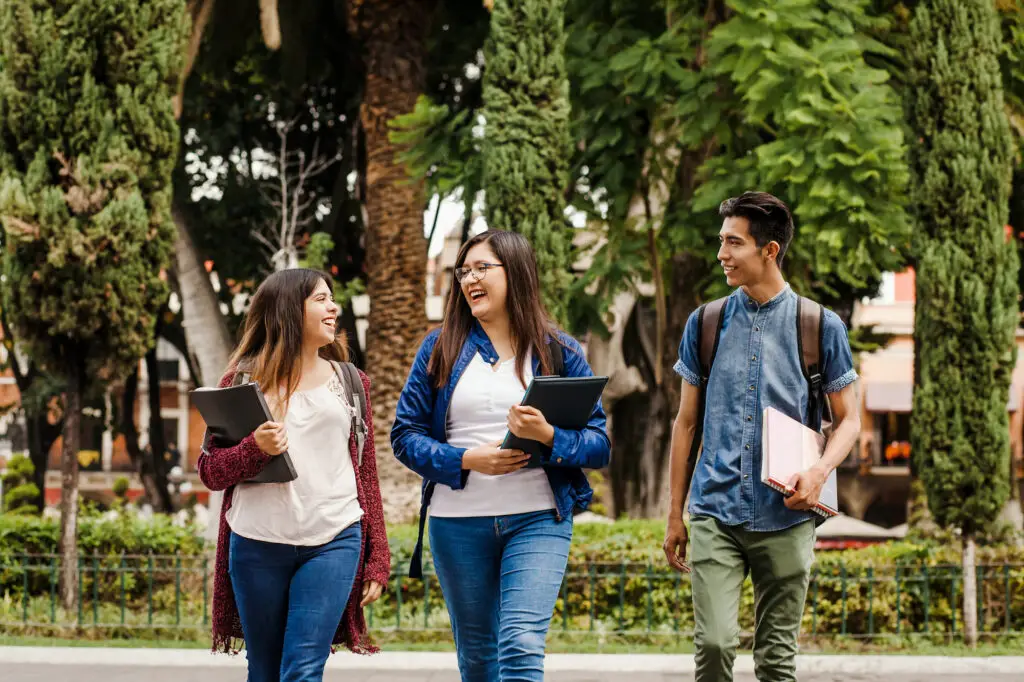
(757, 365)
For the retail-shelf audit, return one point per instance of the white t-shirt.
(322, 501)
(478, 414)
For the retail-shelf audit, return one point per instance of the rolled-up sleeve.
(837, 358)
(688, 364)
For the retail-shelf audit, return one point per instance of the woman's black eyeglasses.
(478, 271)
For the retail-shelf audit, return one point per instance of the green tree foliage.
(526, 142)
(967, 310)
(678, 105)
(780, 98)
(87, 145)
(967, 293)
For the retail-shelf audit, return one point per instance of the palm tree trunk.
(205, 327)
(393, 37)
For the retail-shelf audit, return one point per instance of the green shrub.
(617, 582)
(19, 490)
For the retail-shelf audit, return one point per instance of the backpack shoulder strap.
(709, 331)
(557, 360)
(353, 383)
(810, 323)
(810, 319)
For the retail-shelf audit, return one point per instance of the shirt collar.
(769, 304)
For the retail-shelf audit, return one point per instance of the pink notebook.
(788, 447)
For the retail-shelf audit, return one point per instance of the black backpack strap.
(416, 560)
(356, 392)
(810, 323)
(709, 332)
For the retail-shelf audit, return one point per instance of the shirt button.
(747, 446)
(749, 417)
(757, 329)
(751, 388)
(559, 460)
(745, 476)
(753, 357)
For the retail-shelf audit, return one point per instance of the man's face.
(742, 260)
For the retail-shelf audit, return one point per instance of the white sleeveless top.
(478, 414)
(322, 500)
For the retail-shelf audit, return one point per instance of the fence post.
(1006, 594)
(871, 602)
(622, 593)
(842, 577)
(816, 579)
(81, 588)
(95, 590)
(593, 606)
(177, 590)
(979, 572)
(927, 600)
(899, 602)
(149, 579)
(650, 604)
(53, 590)
(121, 568)
(426, 600)
(206, 589)
(24, 589)
(565, 602)
(675, 611)
(398, 602)
(952, 603)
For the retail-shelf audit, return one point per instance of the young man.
(739, 525)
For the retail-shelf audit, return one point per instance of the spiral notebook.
(788, 447)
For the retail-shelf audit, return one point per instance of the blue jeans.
(500, 576)
(290, 600)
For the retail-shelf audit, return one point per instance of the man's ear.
(771, 251)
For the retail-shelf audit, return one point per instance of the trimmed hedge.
(617, 581)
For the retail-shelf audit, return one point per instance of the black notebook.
(566, 402)
(233, 413)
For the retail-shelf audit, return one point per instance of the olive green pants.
(779, 564)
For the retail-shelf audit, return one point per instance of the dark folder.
(566, 402)
(233, 413)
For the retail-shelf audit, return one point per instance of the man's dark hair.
(770, 219)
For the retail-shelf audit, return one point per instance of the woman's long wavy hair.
(529, 321)
(271, 337)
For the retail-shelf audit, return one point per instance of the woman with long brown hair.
(499, 531)
(297, 561)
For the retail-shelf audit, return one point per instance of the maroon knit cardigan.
(222, 468)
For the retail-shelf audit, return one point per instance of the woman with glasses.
(499, 531)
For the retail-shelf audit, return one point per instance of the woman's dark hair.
(530, 323)
(271, 336)
(769, 217)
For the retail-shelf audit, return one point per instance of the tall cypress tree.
(526, 140)
(87, 145)
(966, 317)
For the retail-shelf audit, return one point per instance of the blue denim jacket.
(419, 436)
(757, 366)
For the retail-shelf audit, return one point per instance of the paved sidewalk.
(29, 672)
(36, 664)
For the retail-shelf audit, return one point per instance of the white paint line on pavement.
(439, 661)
